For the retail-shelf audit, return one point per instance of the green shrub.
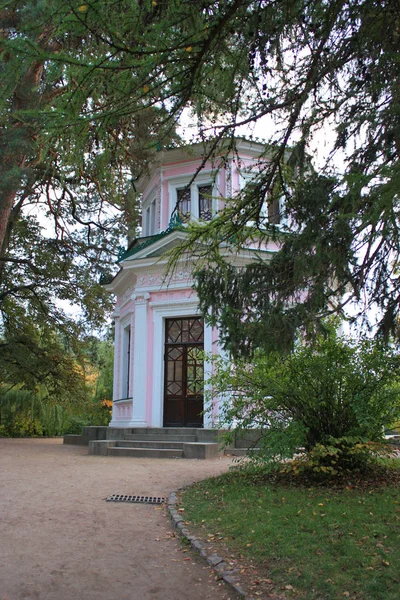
(74, 425)
(330, 399)
(338, 457)
(20, 426)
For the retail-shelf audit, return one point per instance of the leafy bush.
(20, 426)
(337, 457)
(74, 424)
(330, 399)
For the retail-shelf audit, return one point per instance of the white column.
(158, 369)
(116, 378)
(208, 349)
(140, 361)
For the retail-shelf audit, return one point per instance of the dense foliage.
(332, 399)
(92, 90)
(66, 197)
(59, 392)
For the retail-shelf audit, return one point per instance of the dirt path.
(59, 539)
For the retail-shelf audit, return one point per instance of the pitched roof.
(141, 243)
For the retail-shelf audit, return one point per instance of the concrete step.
(154, 449)
(160, 437)
(163, 445)
(166, 430)
(145, 452)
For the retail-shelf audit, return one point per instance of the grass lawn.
(302, 541)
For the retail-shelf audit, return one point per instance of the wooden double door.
(184, 372)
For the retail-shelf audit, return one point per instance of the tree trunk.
(6, 206)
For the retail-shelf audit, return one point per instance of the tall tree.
(66, 196)
(302, 65)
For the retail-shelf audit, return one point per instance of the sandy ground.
(59, 539)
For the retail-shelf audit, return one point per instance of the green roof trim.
(174, 224)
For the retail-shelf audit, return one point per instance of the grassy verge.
(299, 541)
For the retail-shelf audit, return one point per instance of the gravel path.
(59, 539)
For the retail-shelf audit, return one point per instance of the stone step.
(166, 430)
(145, 452)
(164, 445)
(160, 437)
(154, 449)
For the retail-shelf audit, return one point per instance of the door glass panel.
(185, 330)
(170, 371)
(175, 353)
(195, 370)
(174, 331)
(205, 202)
(174, 388)
(196, 333)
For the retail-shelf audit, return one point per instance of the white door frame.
(187, 307)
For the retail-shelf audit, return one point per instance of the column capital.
(141, 298)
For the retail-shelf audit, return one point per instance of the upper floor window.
(205, 202)
(150, 219)
(184, 203)
(195, 201)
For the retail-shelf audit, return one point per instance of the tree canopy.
(66, 195)
(94, 87)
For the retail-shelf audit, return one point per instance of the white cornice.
(188, 302)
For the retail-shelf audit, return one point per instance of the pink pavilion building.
(160, 335)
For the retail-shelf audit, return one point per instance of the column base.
(120, 424)
(137, 423)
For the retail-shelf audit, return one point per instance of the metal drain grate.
(135, 499)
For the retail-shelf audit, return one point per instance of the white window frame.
(149, 217)
(178, 183)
